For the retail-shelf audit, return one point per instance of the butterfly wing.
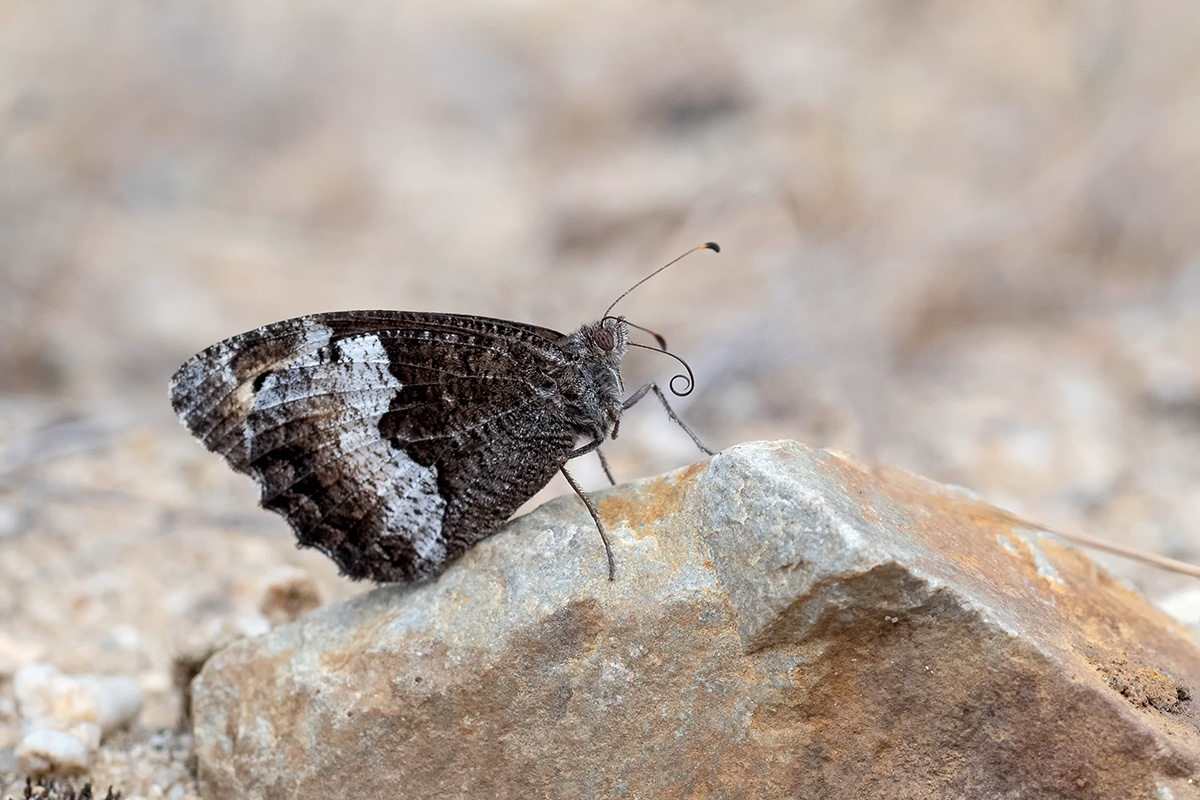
(392, 441)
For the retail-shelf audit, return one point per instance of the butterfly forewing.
(392, 441)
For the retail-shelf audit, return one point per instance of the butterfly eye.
(603, 338)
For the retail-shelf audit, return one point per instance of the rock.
(289, 594)
(64, 717)
(785, 622)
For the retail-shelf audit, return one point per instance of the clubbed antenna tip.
(716, 248)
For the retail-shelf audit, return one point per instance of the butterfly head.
(610, 338)
(606, 343)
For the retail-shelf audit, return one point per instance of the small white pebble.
(250, 624)
(46, 698)
(154, 681)
(43, 750)
(123, 637)
(86, 732)
(1183, 605)
(118, 700)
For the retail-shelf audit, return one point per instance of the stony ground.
(961, 239)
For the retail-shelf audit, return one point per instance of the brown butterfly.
(393, 441)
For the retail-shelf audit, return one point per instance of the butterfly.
(393, 441)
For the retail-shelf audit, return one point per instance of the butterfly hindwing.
(392, 441)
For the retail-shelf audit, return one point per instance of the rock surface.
(785, 623)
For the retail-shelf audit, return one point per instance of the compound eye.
(603, 338)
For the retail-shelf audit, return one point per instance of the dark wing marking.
(392, 441)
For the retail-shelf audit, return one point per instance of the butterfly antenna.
(658, 337)
(716, 248)
(689, 380)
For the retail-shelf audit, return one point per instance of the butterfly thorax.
(590, 379)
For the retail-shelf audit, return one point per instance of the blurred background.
(958, 238)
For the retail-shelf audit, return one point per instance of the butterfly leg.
(587, 501)
(589, 447)
(653, 387)
(604, 464)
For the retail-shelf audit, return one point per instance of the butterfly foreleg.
(662, 398)
(587, 448)
(604, 465)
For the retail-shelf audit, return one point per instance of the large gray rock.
(785, 623)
